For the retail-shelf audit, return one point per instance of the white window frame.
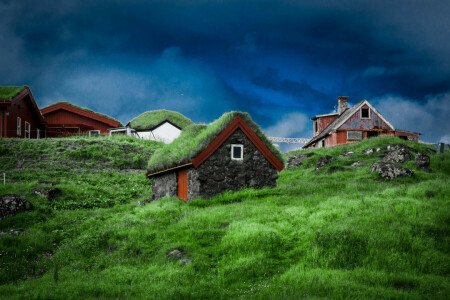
(27, 130)
(38, 133)
(242, 151)
(94, 131)
(19, 126)
(360, 113)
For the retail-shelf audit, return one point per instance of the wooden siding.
(324, 122)
(75, 123)
(183, 184)
(373, 123)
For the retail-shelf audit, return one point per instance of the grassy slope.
(339, 232)
(150, 119)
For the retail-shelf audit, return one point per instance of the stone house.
(231, 153)
(350, 125)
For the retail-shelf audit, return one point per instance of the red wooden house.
(19, 115)
(66, 119)
(349, 125)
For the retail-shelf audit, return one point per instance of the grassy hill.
(339, 232)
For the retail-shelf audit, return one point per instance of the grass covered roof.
(9, 92)
(150, 119)
(196, 137)
(83, 108)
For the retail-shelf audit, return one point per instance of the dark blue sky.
(281, 61)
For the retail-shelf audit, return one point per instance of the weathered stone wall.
(219, 173)
(165, 185)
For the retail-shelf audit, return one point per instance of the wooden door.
(182, 184)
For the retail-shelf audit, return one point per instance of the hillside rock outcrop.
(398, 146)
(10, 205)
(388, 170)
(296, 160)
(398, 155)
(347, 154)
(324, 160)
(47, 192)
(422, 161)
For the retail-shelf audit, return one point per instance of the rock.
(368, 151)
(14, 232)
(398, 146)
(422, 161)
(324, 160)
(10, 205)
(379, 149)
(112, 248)
(47, 192)
(390, 171)
(347, 154)
(358, 163)
(186, 261)
(175, 254)
(398, 155)
(296, 160)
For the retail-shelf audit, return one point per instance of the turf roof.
(150, 119)
(196, 137)
(85, 109)
(9, 92)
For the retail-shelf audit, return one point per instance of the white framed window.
(27, 130)
(365, 113)
(19, 126)
(237, 152)
(94, 133)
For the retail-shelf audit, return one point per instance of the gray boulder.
(400, 146)
(10, 205)
(357, 163)
(389, 170)
(178, 254)
(368, 151)
(422, 161)
(398, 155)
(324, 160)
(296, 160)
(14, 232)
(48, 192)
(347, 154)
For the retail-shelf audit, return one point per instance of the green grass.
(84, 108)
(339, 232)
(9, 92)
(195, 138)
(150, 119)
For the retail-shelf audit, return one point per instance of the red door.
(182, 184)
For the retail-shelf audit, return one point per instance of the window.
(365, 113)
(27, 130)
(38, 133)
(323, 143)
(354, 135)
(315, 126)
(237, 152)
(94, 133)
(19, 126)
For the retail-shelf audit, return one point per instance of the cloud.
(429, 117)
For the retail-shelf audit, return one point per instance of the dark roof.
(347, 113)
(196, 140)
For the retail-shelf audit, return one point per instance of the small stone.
(390, 171)
(295, 160)
(14, 232)
(357, 163)
(175, 254)
(186, 261)
(324, 160)
(47, 192)
(422, 161)
(368, 151)
(347, 154)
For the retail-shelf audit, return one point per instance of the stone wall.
(219, 173)
(165, 185)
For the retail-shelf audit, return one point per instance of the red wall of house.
(324, 122)
(66, 117)
(24, 109)
(355, 122)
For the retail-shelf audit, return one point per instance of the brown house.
(350, 125)
(19, 115)
(231, 153)
(66, 119)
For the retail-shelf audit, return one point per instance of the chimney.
(342, 104)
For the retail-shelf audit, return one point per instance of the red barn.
(350, 125)
(19, 115)
(66, 119)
